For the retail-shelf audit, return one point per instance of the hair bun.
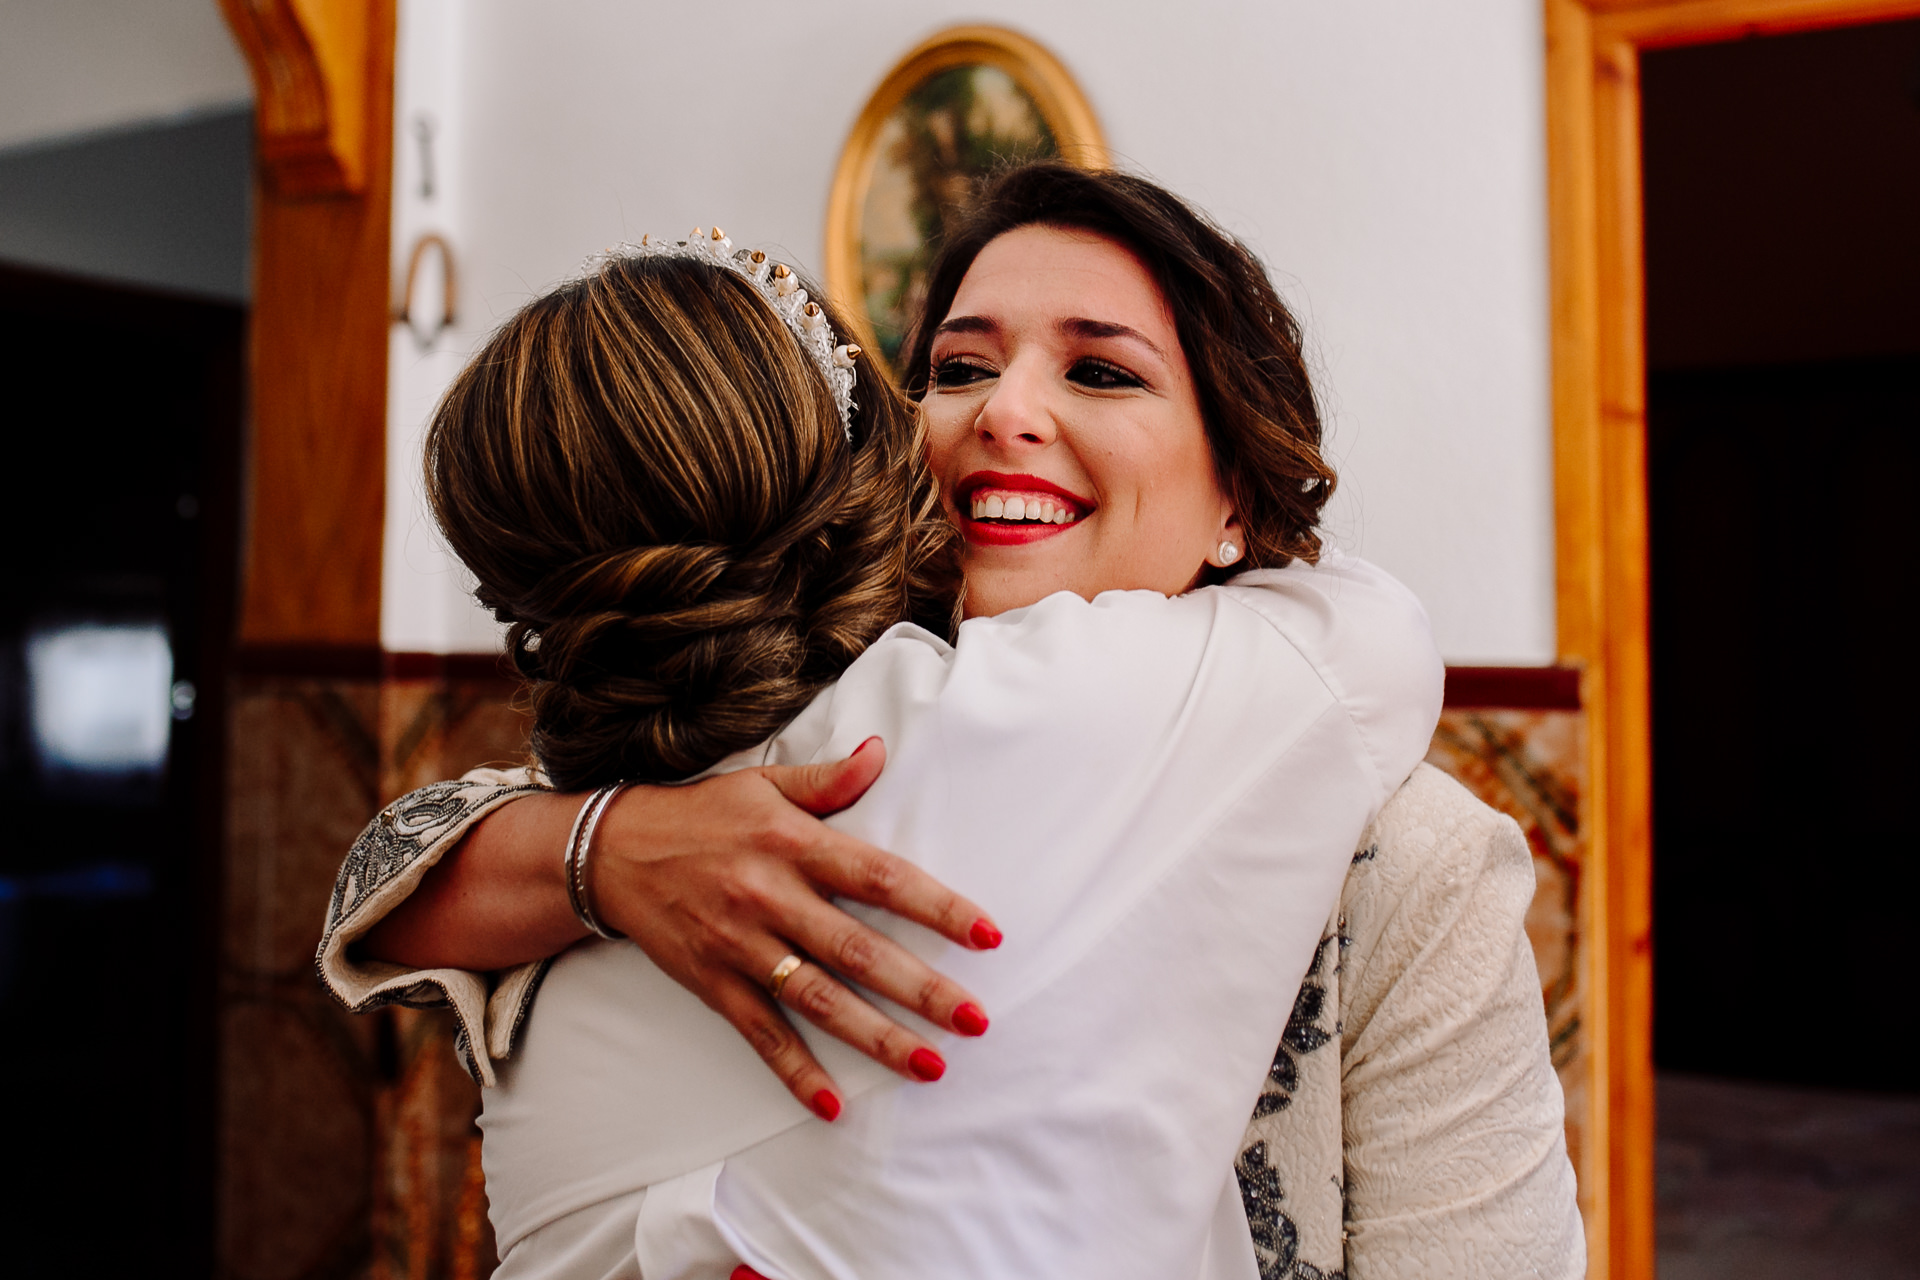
(651, 483)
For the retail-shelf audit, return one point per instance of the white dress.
(1157, 799)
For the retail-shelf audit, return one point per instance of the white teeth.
(1035, 510)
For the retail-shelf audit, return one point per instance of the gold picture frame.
(1024, 87)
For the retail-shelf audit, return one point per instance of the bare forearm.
(716, 881)
(495, 901)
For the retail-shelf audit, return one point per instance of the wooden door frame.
(1600, 507)
(316, 470)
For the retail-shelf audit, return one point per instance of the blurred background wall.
(125, 143)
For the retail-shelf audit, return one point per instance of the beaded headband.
(777, 283)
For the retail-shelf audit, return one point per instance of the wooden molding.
(311, 71)
(367, 662)
(316, 484)
(1600, 505)
(1513, 688)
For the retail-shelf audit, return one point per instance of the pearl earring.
(1228, 554)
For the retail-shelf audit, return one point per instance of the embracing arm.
(703, 877)
(495, 900)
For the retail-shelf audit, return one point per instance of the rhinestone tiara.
(780, 286)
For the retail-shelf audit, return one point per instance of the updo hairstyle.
(1240, 340)
(651, 482)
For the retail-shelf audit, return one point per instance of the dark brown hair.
(651, 482)
(1240, 340)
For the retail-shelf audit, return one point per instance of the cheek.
(1180, 495)
(946, 428)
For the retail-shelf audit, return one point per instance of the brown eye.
(956, 372)
(1102, 375)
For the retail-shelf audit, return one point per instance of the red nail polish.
(745, 1272)
(984, 935)
(970, 1019)
(926, 1064)
(826, 1106)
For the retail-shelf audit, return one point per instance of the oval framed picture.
(961, 105)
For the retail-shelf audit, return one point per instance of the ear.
(1229, 544)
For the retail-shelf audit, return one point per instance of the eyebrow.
(966, 324)
(1078, 326)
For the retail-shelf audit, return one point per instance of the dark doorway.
(1782, 197)
(122, 443)
(1783, 321)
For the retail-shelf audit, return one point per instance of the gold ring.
(777, 980)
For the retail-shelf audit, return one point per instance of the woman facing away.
(1088, 322)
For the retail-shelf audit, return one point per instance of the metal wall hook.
(404, 314)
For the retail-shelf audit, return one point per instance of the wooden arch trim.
(316, 465)
(1600, 507)
(310, 66)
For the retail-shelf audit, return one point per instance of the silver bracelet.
(579, 848)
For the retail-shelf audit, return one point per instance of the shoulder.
(1141, 645)
(1433, 823)
(1368, 638)
(1358, 625)
(1433, 840)
(1439, 870)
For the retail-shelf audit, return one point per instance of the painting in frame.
(957, 107)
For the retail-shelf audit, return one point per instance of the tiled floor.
(1764, 1182)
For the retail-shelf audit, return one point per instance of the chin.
(990, 594)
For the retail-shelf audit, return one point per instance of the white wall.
(74, 66)
(424, 601)
(1385, 156)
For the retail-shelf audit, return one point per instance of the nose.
(1016, 412)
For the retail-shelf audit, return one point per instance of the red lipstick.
(1001, 486)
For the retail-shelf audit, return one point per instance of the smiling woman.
(1101, 352)
(1061, 411)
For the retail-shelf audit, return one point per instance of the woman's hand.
(717, 881)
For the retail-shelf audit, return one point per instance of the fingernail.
(970, 1019)
(869, 742)
(926, 1064)
(745, 1272)
(984, 935)
(826, 1106)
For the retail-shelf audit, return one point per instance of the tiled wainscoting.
(348, 1147)
(348, 1144)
